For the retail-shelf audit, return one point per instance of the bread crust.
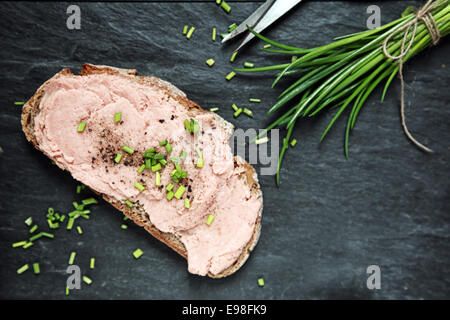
(136, 213)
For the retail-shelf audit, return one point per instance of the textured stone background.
(388, 204)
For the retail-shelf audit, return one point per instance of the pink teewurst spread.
(150, 116)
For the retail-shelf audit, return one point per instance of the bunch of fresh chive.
(343, 73)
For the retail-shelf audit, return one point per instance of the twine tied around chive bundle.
(422, 15)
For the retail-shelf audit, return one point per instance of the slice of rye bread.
(136, 213)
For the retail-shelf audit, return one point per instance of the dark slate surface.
(387, 205)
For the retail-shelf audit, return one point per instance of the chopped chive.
(117, 158)
(237, 113)
(235, 107)
(19, 103)
(78, 189)
(293, 142)
(163, 162)
(33, 228)
(141, 169)
(127, 149)
(248, 112)
(19, 244)
(72, 257)
(169, 195)
(87, 280)
(36, 268)
(183, 155)
(29, 244)
(262, 140)
(187, 125)
(63, 217)
(81, 126)
(23, 268)
(187, 203)
(117, 117)
(169, 187)
(129, 203)
(214, 109)
(149, 153)
(169, 148)
(180, 191)
(124, 226)
(233, 57)
(148, 164)
(158, 156)
(254, 100)
(125, 218)
(267, 46)
(210, 219)
(138, 253)
(191, 31)
(48, 235)
(35, 237)
(210, 62)
(139, 186)
(158, 179)
(248, 65)
(200, 157)
(29, 221)
(261, 282)
(70, 223)
(175, 160)
(163, 143)
(223, 35)
(225, 6)
(231, 27)
(156, 167)
(230, 75)
(92, 263)
(214, 32)
(185, 29)
(293, 58)
(67, 291)
(57, 216)
(80, 231)
(89, 201)
(218, 1)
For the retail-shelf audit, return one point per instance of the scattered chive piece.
(129, 203)
(169, 148)
(235, 107)
(156, 167)
(72, 257)
(33, 229)
(35, 237)
(214, 109)
(248, 112)
(254, 100)
(92, 264)
(169, 195)
(169, 187)
(124, 226)
(223, 35)
(19, 244)
(183, 155)
(48, 235)
(81, 126)
(231, 27)
(141, 169)
(293, 142)
(125, 218)
(137, 253)
(185, 29)
(163, 162)
(36, 268)
(23, 268)
(87, 280)
(200, 158)
(261, 282)
(29, 244)
(158, 156)
(262, 140)
(237, 113)
(267, 46)
(214, 32)
(293, 58)
(117, 158)
(187, 203)
(210, 62)
(248, 65)
(191, 31)
(163, 143)
(147, 165)
(174, 160)
(158, 179)
(80, 231)
(180, 191)
(230, 75)
(210, 219)
(19, 103)
(89, 201)
(29, 221)
(139, 186)
(225, 6)
(127, 149)
(67, 291)
(233, 56)
(117, 117)
(70, 223)
(218, 1)
(63, 217)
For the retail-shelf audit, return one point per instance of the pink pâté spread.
(149, 116)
